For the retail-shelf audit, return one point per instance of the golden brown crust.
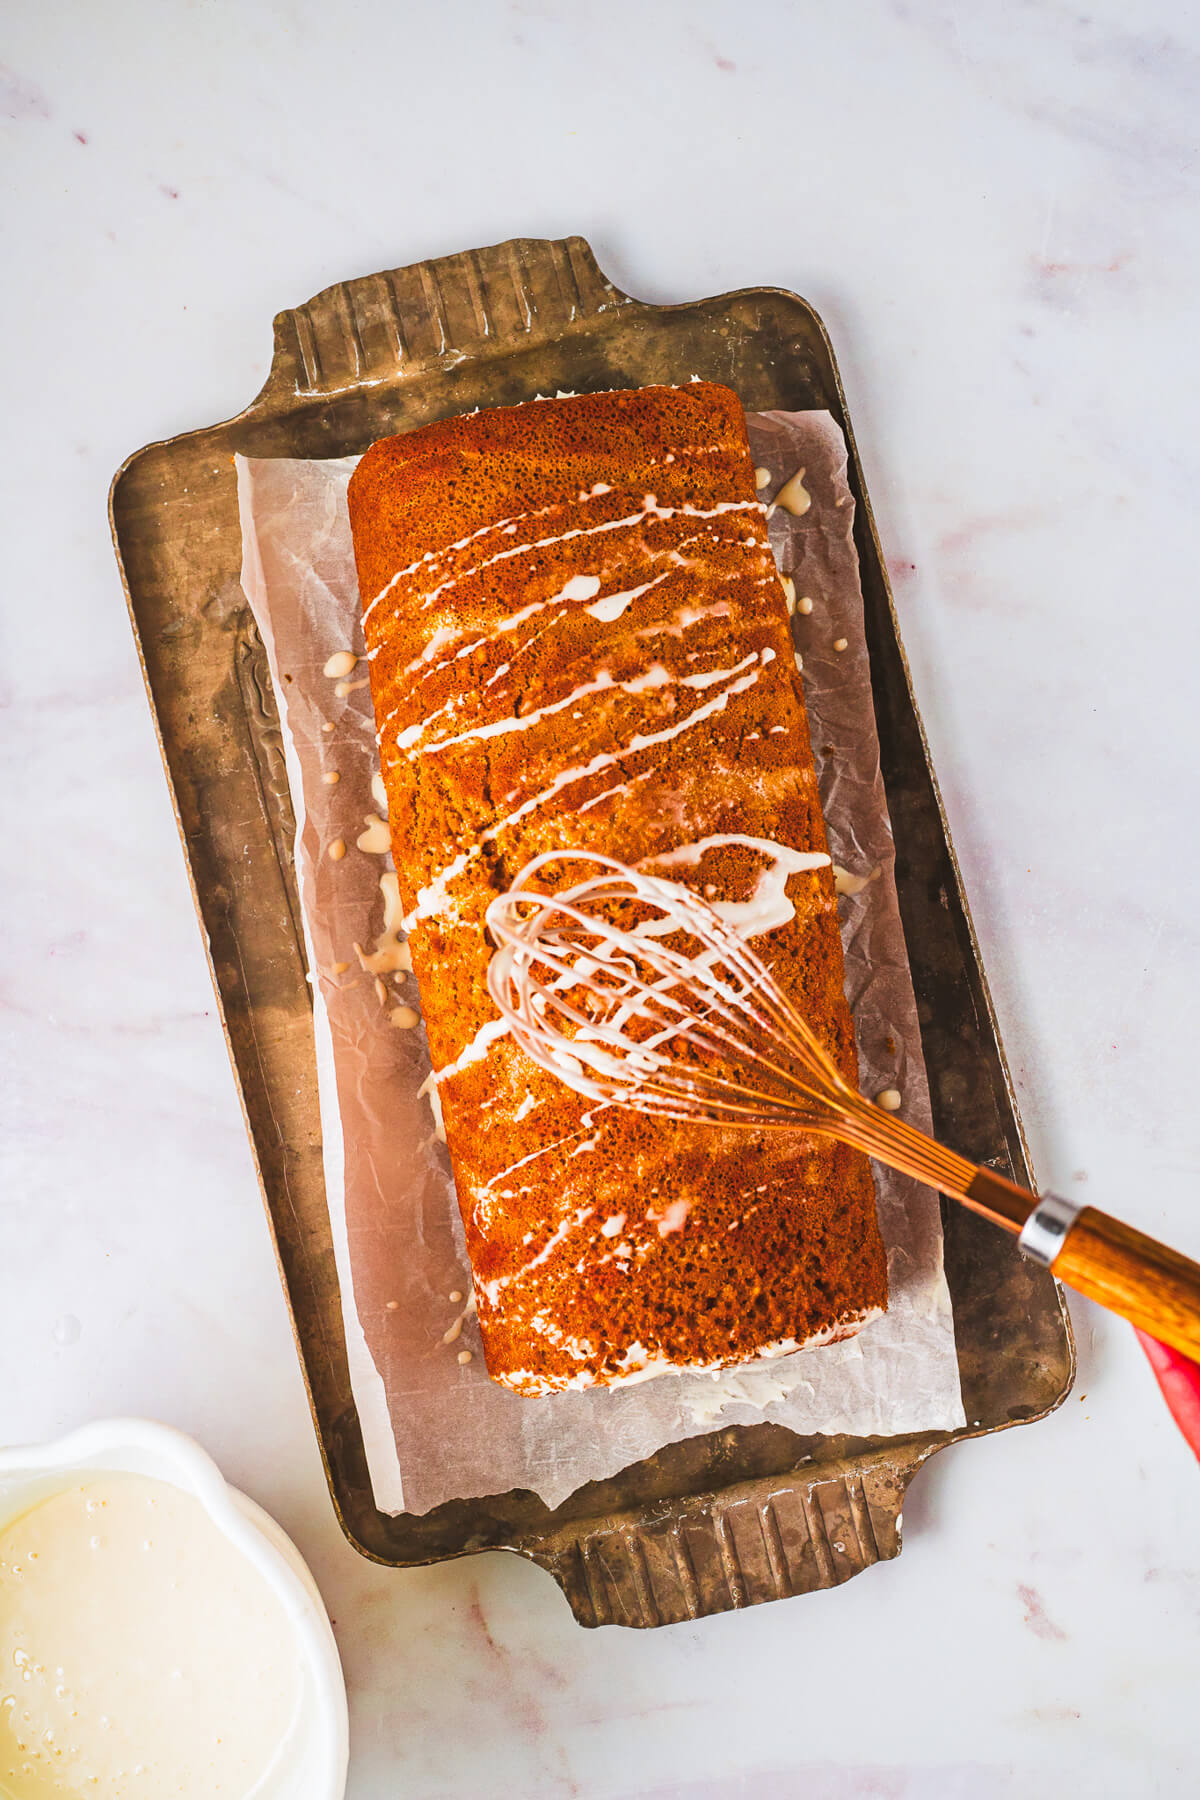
(519, 713)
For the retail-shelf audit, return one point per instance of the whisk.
(636, 992)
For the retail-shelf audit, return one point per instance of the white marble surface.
(995, 208)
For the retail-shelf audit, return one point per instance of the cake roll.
(578, 639)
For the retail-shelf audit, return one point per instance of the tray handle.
(737, 1549)
(434, 314)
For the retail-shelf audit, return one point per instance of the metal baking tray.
(747, 1513)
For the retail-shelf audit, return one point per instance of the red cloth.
(1179, 1379)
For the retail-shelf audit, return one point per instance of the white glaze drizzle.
(673, 1219)
(493, 1289)
(768, 906)
(504, 526)
(710, 677)
(579, 587)
(620, 787)
(689, 616)
(522, 722)
(431, 897)
(650, 510)
(613, 605)
(476, 1050)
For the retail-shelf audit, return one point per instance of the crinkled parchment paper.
(435, 1427)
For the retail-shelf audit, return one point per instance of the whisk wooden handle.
(1154, 1287)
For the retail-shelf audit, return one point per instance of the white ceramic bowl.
(311, 1764)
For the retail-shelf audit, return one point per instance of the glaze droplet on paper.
(846, 883)
(376, 840)
(391, 955)
(793, 496)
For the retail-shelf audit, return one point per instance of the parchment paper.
(437, 1428)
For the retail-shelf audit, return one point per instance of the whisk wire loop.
(678, 1015)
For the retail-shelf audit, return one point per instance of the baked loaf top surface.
(578, 640)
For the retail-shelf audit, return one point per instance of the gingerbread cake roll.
(578, 639)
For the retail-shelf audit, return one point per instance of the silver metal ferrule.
(1045, 1230)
